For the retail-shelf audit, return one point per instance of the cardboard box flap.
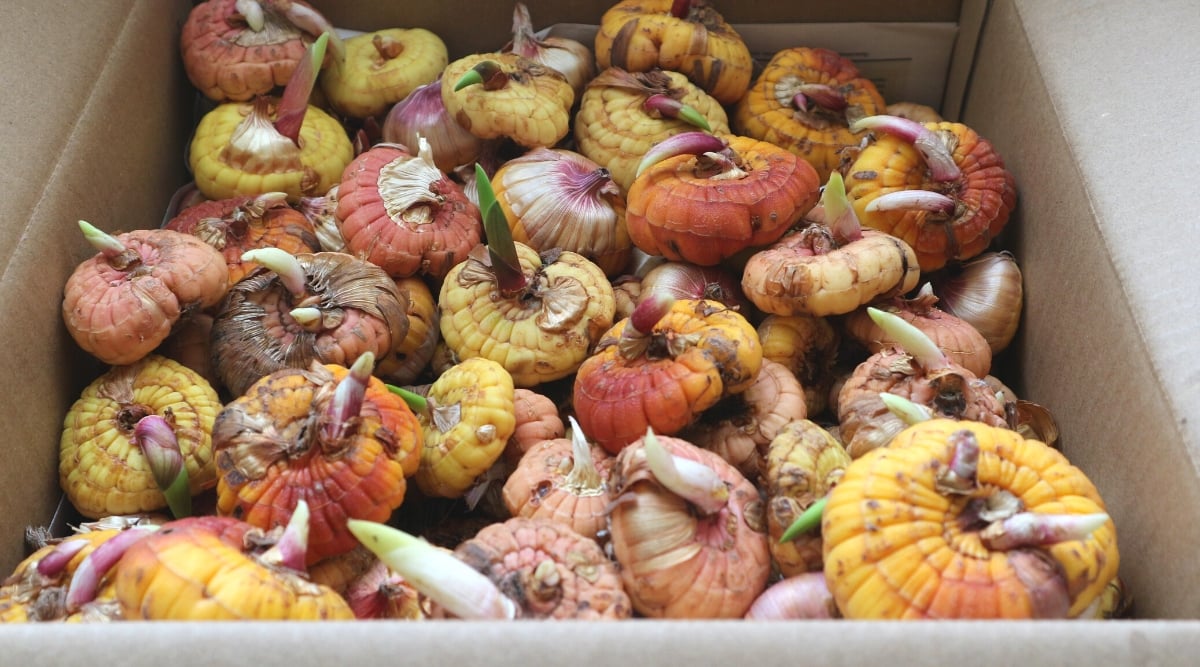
(1102, 339)
(85, 139)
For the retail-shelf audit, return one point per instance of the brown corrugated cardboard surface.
(1079, 96)
(90, 91)
(1103, 343)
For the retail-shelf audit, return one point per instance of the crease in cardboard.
(971, 19)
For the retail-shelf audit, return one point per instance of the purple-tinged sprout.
(1031, 529)
(293, 105)
(650, 310)
(821, 95)
(913, 200)
(52, 564)
(684, 143)
(839, 214)
(635, 337)
(341, 412)
(927, 142)
(681, 8)
(291, 549)
(960, 473)
(670, 107)
(85, 583)
(156, 438)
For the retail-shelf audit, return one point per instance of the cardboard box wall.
(1091, 105)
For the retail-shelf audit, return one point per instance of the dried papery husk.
(399, 211)
(803, 462)
(422, 114)
(675, 562)
(1115, 602)
(961, 342)
(808, 347)
(233, 226)
(293, 437)
(798, 597)
(627, 291)
(361, 310)
(615, 130)
(740, 428)
(1036, 422)
(685, 280)
(411, 358)
(380, 593)
(102, 468)
(548, 569)
(556, 198)
(321, 213)
(987, 292)
(537, 419)
(567, 56)
(562, 481)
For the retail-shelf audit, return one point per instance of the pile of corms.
(632, 328)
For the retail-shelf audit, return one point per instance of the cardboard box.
(1073, 94)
